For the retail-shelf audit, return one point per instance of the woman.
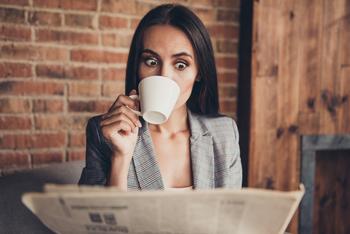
(196, 148)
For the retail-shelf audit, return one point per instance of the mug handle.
(134, 97)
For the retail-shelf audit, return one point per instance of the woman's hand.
(120, 125)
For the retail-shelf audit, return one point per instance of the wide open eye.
(180, 66)
(151, 62)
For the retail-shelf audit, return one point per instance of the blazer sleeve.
(97, 156)
(235, 169)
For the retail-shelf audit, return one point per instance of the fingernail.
(139, 124)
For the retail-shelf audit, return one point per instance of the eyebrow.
(174, 55)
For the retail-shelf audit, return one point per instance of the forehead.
(167, 39)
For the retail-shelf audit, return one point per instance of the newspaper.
(96, 210)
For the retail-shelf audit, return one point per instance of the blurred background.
(63, 61)
(283, 70)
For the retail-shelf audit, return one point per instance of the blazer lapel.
(202, 155)
(146, 166)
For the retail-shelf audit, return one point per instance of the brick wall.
(62, 61)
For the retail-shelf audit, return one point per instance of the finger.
(115, 127)
(114, 103)
(123, 100)
(124, 127)
(136, 99)
(126, 111)
(118, 117)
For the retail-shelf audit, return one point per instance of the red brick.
(66, 37)
(98, 56)
(12, 105)
(230, 114)
(112, 22)
(87, 5)
(112, 89)
(228, 15)
(226, 46)
(76, 155)
(14, 160)
(15, 2)
(31, 88)
(33, 53)
(74, 20)
(47, 106)
(15, 122)
(48, 4)
(54, 54)
(228, 106)
(223, 31)
(47, 157)
(10, 33)
(49, 122)
(228, 91)
(15, 70)
(228, 77)
(44, 18)
(113, 74)
(226, 3)
(126, 7)
(201, 2)
(76, 139)
(84, 89)
(116, 40)
(206, 15)
(65, 72)
(32, 141)
(89, 106)
(134, 23)
(226, 62)
(9, 15)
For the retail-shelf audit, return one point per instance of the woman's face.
(168, 52)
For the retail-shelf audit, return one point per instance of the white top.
(179, 189)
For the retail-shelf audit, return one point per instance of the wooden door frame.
(244, 82)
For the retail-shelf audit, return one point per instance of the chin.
(178, 106)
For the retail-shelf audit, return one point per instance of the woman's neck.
(177, 122)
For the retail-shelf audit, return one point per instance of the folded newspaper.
(96, 210)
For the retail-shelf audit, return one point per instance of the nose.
(166, 70)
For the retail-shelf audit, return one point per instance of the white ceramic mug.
(158, 96)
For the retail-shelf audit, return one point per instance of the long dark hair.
(204, 96)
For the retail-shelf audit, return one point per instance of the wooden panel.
(343, 88)
(287, 98)
(263, 122)
(309, 14)
(344, 112)
(266, 40)
(332, 190)
(265, 85)
(300, 84)
(333, 14)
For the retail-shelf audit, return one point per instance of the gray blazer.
(215, 155)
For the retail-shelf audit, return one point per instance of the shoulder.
(220, 126)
